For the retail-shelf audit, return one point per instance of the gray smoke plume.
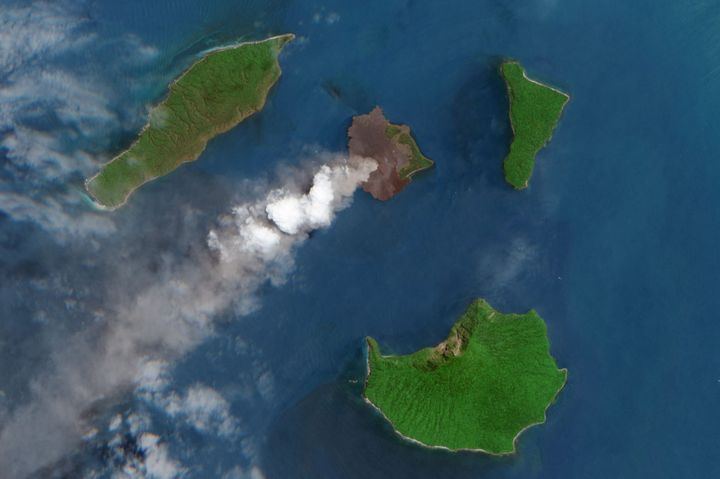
(252, 245)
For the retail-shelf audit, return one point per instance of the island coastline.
(402, 436)
(485, 347)
(394, 148)
(566, 96)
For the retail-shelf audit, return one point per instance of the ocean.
(614, 243)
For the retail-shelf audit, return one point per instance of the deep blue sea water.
(614, 243)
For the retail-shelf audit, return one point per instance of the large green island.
(215, 94)
(535, 110)
(491, 379)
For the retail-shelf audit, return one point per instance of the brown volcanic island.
(392, 146)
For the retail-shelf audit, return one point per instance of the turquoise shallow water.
(614, 243)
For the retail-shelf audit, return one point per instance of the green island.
(215, 94)
(535, 110)
(418, 161)
(491, 379)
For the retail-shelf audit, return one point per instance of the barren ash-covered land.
(392, 146)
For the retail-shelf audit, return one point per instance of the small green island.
(215, 94)
(491, 379)
(418, 162)
(535, 110)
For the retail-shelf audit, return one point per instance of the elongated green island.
(216, 93)
(535, 110)
(491, 379)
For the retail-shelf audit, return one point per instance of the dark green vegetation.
(212, 96)
(418, 161)
(535, 110)
(492, 378)
(392, 130)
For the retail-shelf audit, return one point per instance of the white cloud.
(155, 462)
(204, 409)
(200, 406)
(316, 209)
(135, 452)
(332, 18)
(137, 423)
(502, 268)
(152, 377)
(158, 464)
(294, 213)
(266, 385)
(115, 423)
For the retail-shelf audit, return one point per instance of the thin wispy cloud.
(238, 472)
(199, 406)
(22, 42)
(53, 117)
